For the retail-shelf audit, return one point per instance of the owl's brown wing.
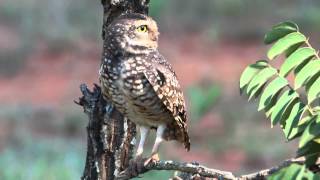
(164, 82)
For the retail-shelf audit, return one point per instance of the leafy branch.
(284, 103)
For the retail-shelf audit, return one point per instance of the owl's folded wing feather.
(164, 82)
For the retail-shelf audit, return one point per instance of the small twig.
(266, 172)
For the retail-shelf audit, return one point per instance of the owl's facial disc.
(145, 34)
(133, 33)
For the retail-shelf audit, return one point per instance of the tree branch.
(196, 170)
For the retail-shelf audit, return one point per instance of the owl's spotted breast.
(132, 93)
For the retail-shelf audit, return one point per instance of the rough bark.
(110, 136)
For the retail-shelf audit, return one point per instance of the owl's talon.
(155, 157)
(152, 159)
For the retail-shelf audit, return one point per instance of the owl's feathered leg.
(160, 130)
(144, 130)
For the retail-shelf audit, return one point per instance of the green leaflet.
(250, 72)
(313, 90)
(311, 132)
(278, 175)
(285, 43)
(293, 120)
(310, 148)
(302, 124)
(306, 174)
(259, 80)
(306, 73)
(306, 116)
(269, 111)
(301, 173)
(295, 59)
(270, 91)
(290, 172)
(280, 30)
(292, 49)
(317, 140)
(294, 171)
(282, 106)
(311, 159)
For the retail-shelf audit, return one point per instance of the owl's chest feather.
(127, 87)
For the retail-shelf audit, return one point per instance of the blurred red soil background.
(53, 78)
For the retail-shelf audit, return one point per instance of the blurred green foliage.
(202, 99)
(69, 20)
(54, 160)
(156, 175)
(46, 143)
(36, 159)
(234, 19)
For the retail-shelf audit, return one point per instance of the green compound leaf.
(259, 80)
(285, 43)
(296, 59)
(280, 30)
(313, 90)
(293, 120)
(306, 73)
(270, 91)
(282, 106)
(311, 132)
(250, 72)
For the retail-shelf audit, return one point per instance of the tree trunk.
(110, 136)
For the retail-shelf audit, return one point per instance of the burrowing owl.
(140, 83)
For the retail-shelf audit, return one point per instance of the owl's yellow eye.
(142, 28)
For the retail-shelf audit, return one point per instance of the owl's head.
(134, 33)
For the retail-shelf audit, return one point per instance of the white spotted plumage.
(140, 83)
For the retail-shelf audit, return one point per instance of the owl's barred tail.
(186, 141)
(182, 135)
